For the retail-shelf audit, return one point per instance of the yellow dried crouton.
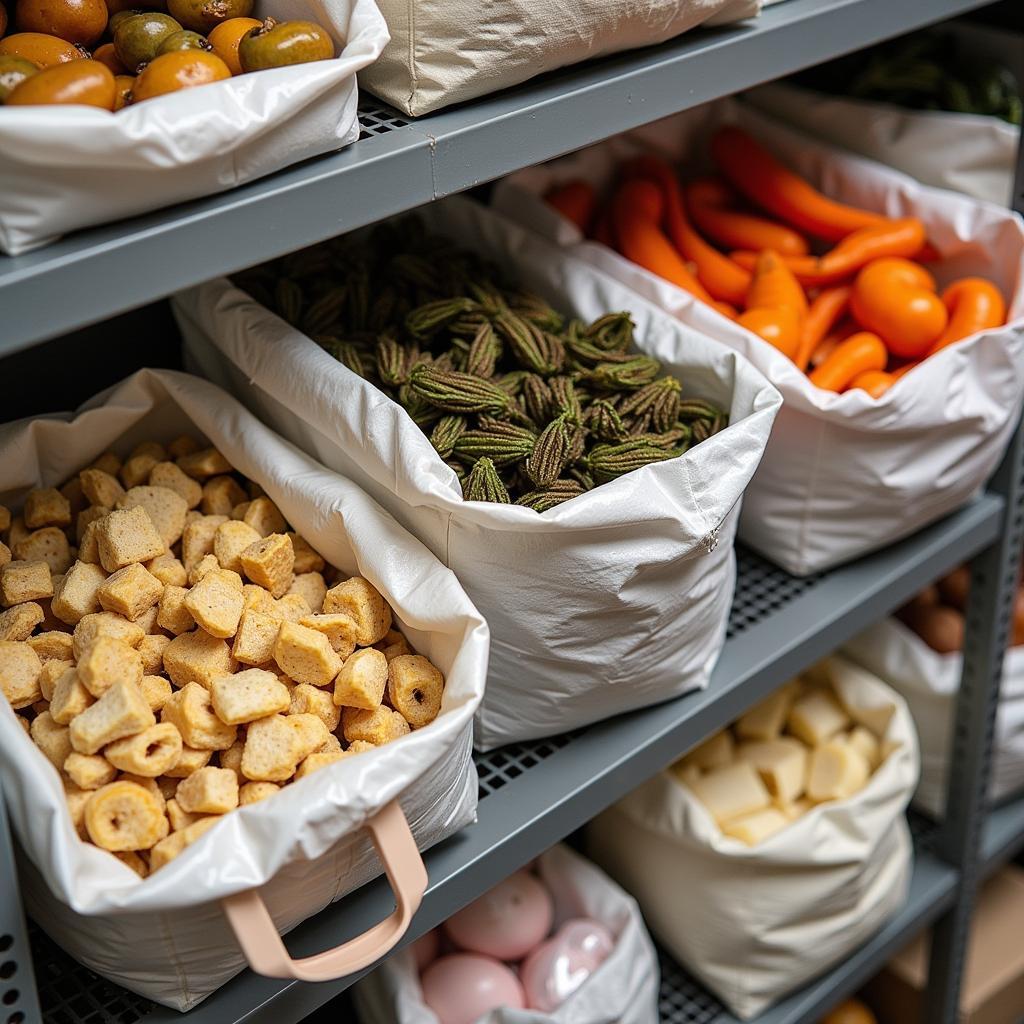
(202, 464)
(100, 488)
(106, 661)
(340, 630)
(362, 679)
(130, 591)
(380, 726)
(415, 689)
(305, 655)
(191, 710)
(310, 700)
(105, 624)
(191, 760)
(20, 669)
(77, 594)
(167, 474)
(264, 517)
(124, 816)
(51, 738)
(269, 562)
(255, 638)
(18, 622)
(165, 508)
(46, 506)
(126, 536)
(362, 602)
(271, 750)
(121, 711)
(24, 581)
(208, 791)
(173, 612)
(311, 586)
(220, 495)
(148, 753)
(248, 695)
(230, 540)
(197, 538)
(306, 558)
(151, 649)
(50, 545)
(89, 771)
(167, 568)
(52, 646)
(70, 698)
(216, 602)
(254, 792)
(197, 657)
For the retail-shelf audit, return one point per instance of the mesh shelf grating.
(376, 118)
(681, 1000)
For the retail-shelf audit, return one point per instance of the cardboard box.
(993, 986)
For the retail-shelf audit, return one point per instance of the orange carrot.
(774, 286)
(603, 232)
(831, 341)
(874, 382)
(708, 201)
(860, 352)
(974, 304)
(767, 182)
(636, 212)
(719, 275)
(779, 326)
(575, 200)
(828, 306)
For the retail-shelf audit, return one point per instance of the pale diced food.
(731, 791)
(756, 827)
(837, 771)
(816, 717)
(781, 763)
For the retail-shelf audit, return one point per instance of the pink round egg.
(462, 987)
(426, 948)
(506, 922)
(556, 968)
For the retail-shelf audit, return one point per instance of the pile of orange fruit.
(102, 53)
(839, 290)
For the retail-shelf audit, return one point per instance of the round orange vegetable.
(182, 69)
(822, 314)
(956, 587)
(974, 304)
(852, 1011)
(708, 201)
(895, 298)
(86, 82)
(857, 354)
(775, 188)
(225, 39)
(779, 326)
(940, 627)
(77, 21)
(773, 285)
(105, 55)
(874, 382)
(123, 94)
(43, 50)
(575, 200)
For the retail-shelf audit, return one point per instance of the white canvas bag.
(448, 51)
(167, 937)
(901, 462)
(929, 683)
(609, 602)
(754, 923)
(623, 990)
(68, 167)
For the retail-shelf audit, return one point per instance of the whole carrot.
(860, 352)
(874, 382)
(773, 285)
(709, 202)
(832, 340)
(779, 326)
(575, 200)
(822, 315)
(974, 304)
(767, 182)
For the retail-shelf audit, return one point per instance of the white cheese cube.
(837, 772)
(816, 717)
(794, 810)
(782, 764)
(685, 772)
(714, 752)
(764, 721)
(757, 827)
(864, 742)
(731, 791)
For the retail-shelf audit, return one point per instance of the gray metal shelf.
(534, 794)
(1003, 835)
(399, 165)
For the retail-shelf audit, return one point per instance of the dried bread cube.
(232, 758)
(380, 726)
(154, 449)
(220, 495)
(731, 791)
(264, 517)
(127, 535)
(76, 800)
(130, 591)
(53, 645)
(306, 655)
(89, 771)
(5, 554)
(215, 602)
(395, 650)
(121, 711)
(148, 753)
(198, 538)
(205, 463)
(151, 649)
(781, 763)
(360, 747)
(109, 462)
(340, 630)
(24, 581)
(165, 508)
(5, 518)
(271, 750)
(230, 540)
(87, 517)
(837, 771)
(191, 710)
(257, 599)
(306, 558)
(311, 734)
(167, 568)
(209, 791)
(362, 680)
(77, 594)
(765, 720)
(167, 849)
(202, 568)
(755, 828)
(51, 738)
(52, 671)
(238, 512)
(50, 545)
(173, 613)
(254, 641)
(98, 624)
(254, 792)
(191, 760)
(132, 860)
(46, 506)
(816, 717)
(156, 690)
(310, 700)
(106, 661)
(167, 474)
(269, 562)
(314, 762)
(18, 622)
(72, 490)
(100, 487)
(124, 816)
(179, 819)
(312, 587)
(331, 743)
(70, 698)
(248, 695)
(136, 469)
(361, 601)
(20, 669)
(293, 608)
(17, 533)
(182, 445)
(415, 688)
(197, 657)
(794, 810)
(89, 545)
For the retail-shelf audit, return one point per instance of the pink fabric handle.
(256, 934)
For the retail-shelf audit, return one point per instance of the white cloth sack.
(165, 937)
(623, 990)
(448, 51)
(929, 683)
(609, 602)
(71, 167)
(901, 462)
(754, 923)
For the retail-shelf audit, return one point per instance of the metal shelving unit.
(532, 795)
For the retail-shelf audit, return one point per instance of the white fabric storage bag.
(166, 937)
(929, 683)
(903, 461)
(754, 923)
(448, 51)
(68, 167)
(609, 602)
(623, 990)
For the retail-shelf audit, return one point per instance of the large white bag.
(448, 51)
(166, 937)
(753, 923)
(68, 167)
(900, 462)
(612, 601)
(929, 682)
(623, 990)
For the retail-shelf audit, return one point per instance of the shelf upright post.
(19, 1001)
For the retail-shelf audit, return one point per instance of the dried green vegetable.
(522, 403)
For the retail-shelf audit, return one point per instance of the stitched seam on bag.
(179, 967)
(805, 517)
(710, 538)
(413, 79)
